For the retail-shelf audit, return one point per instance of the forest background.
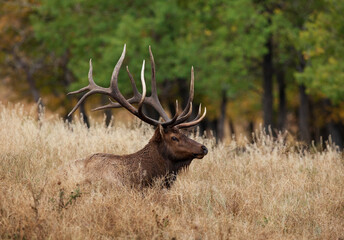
(257, 63)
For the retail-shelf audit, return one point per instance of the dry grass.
(267, 190)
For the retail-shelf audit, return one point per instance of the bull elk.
(167, 152)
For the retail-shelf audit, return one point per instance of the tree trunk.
(251, 127)
(202, 127)
(304, 115)
(208, 127)
(34, 91)
(83, 114)
(108, 113)
(29, 69)
(267, 86)
(66, 78)
(221, 122)
(66, 102)
(282, 110)
(304, 106)
(213, 127)
(333, 129)
(231, 127)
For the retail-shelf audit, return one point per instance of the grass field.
(269, 189)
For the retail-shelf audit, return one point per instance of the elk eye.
(175, 139)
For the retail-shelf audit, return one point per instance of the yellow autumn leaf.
(207, 32)
(305, 55)
(324, 75)
(319, 50)
(332, 60)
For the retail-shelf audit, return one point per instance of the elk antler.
(153, 100)
(197, 119)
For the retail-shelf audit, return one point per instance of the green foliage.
(223, 40)
(77, 27)
(233, 44)
(22, 55)
(322, 43)
(287, 21)
(99, 30)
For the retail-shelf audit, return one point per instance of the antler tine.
(133, 85)
(114, 77)
(90, 82)
(141, 115)
(187, 112)
(80, 101)
(112, 104)
(199, 111)
(174, 119)
(92, 87)
(181, 118)
(116, 94)
(90, 75)
(195, 121)
(153, 80)
(154, 99)
(79, 91)
(136, 98)
(188, 108)
(112, 91)
(144, 90)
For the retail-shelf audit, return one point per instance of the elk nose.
(205, 149)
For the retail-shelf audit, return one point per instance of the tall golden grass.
(269, 189)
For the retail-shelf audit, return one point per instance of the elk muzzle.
(203, 151)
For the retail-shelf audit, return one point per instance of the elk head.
(173, 144)
(176, 146)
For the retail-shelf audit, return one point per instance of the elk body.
(166, 153)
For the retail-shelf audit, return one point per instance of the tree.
(233, 45)
(99, 30)
(24, 59)
(321, 44)
(234, 34)
(18, 62)
(287, 19)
